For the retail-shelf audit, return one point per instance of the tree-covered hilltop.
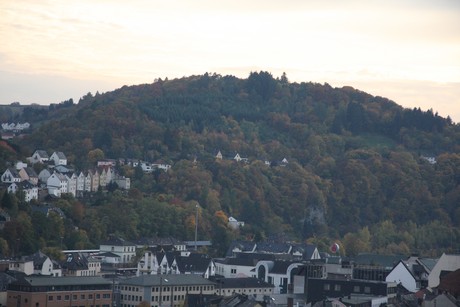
(357, 171)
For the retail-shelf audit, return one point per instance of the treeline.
(355, 162)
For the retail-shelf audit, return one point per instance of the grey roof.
(275, 248)
(63, 281)
(249, 282)
(30, 172)
(428, 263)
(170, 279)
(42, 153)
(116, 241)
(238, 261)
(60, 155)
(386, 261)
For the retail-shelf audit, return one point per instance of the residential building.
(163, 290)
(11, 175)
(118, 246)
(77, 264)
(60, 291)
(39, 156)
(58, 158)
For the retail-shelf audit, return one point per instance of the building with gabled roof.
(59, 158)
(39, 156)
(11, 175)
(194, 263)
(124, 249)
(77, 264)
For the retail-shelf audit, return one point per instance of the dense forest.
(356, 172)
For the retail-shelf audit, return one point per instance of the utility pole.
(196, 226)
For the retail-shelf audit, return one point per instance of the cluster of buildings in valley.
(57, 178)
(168, 272)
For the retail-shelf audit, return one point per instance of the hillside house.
(234, 223)
(28, 173)
(44, 175)
(72, 184)
(59, 158)
(39, 156)
(57, 184)
(81, 178)
(30, 190)
(11, 175)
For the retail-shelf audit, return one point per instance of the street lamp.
(161, 289)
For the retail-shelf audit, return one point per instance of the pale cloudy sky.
(406, 50)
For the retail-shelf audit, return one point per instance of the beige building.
(163, 290)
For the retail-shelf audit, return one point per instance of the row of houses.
(238, 158)
(57, 178)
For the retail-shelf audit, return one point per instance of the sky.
(405, 50)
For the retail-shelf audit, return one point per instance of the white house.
(30, 190)
(57, 184)
(44, 175)
(72, 184)
(58, 158)
(43, 265)
(234, 223)
(11, 175)
(402, 275)
(39, 156)
(148, 264)
(81, 182)
(124, 249)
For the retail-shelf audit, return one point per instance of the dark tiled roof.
(238, 261)
(116, 241)
(75, 261)
(386, 261)
(62, 281)
(42, 153)
(197, 263)
(275, 248)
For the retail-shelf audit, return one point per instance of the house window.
(233, 271)
(337, 287)
(66, 297)
(50, 298)
(356, 289)
(58, 298)
(327, 287)
(367, 289)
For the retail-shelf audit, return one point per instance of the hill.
(356, 172)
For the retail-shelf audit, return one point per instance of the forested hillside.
(356, 171)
